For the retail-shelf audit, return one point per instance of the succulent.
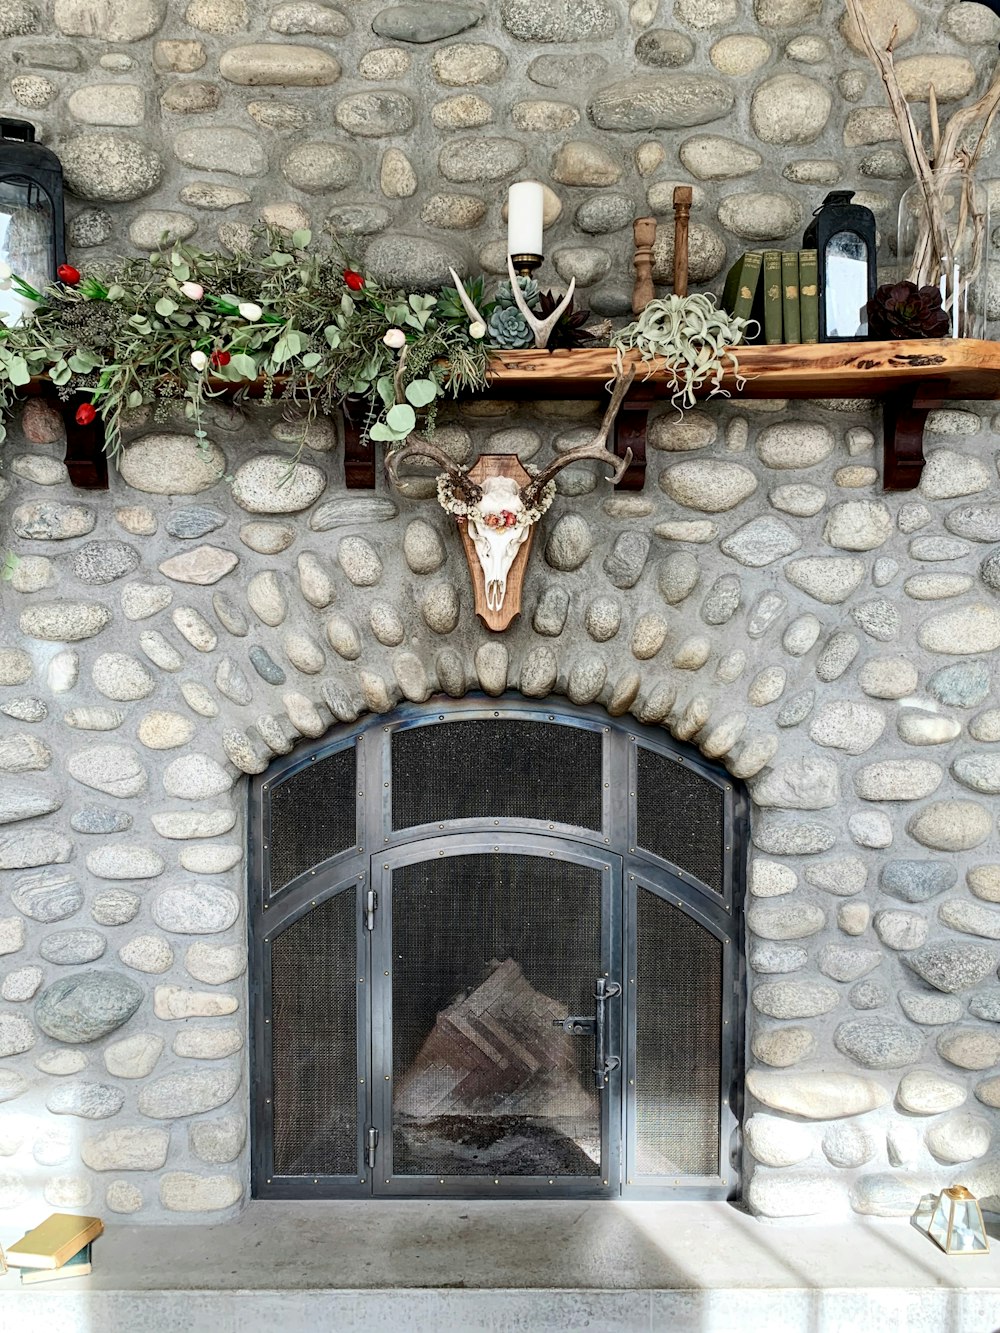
(507, 328)
(529, 290)
(904, 310)
(569, 331)
(449, 305)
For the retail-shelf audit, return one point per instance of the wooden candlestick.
(644, 234)
(682, 209)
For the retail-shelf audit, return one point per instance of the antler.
(531, 492)
(466, 299)
(462, 488)
(541, 328)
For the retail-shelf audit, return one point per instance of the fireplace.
(497, 950)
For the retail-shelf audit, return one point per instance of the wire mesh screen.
(496, 768)
(678, 1042)
(488, 950)
(313, 816)
(680, 816)
(314, 1041)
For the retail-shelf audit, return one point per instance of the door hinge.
(371, 906)
(371, 1146)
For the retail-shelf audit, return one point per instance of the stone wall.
(834, 646)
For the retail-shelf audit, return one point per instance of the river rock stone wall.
(835, 647)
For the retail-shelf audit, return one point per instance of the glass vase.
(943, 242)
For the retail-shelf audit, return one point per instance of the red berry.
(354, 280)
(219, 359)
(68, 274)
(85, 414)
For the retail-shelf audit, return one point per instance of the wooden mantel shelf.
(909, 377)
(948, 367)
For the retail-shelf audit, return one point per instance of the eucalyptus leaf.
(301, 238)
(401, 419)
(386, 390)
(421, 392)
(310, 360)
(165, 306)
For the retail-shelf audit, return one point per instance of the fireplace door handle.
(587, 1025)
(604, 1064)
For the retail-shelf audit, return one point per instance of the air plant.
(690, 339)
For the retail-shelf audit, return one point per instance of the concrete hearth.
(462, 1268)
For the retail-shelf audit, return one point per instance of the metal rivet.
(387, 1078)
(315, 1181)
(269, 1182)
(385, 865)
(385, 784)
(361, 981)
(385, 974)
(441, 1181)
(267, 1101)
(362, 1180)
(266, 906)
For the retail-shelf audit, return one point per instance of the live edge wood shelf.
(910, 378)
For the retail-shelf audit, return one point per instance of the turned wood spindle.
(682, 210)
(644, 234)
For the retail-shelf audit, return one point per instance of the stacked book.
(779, 290)
(59, 1248)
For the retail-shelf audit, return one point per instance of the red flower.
(354, 280)
(219, 359)
(68, 274)
(85, 414)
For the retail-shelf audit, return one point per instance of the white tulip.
(199, 360)
(194, 291)
(250, 312)
(477, 329)
(394, 338)
(5, 270)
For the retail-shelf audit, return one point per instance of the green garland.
(185, 327)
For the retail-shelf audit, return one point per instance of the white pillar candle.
(525, 202)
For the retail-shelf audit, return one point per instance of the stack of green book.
(778, 290)
(59, 1248)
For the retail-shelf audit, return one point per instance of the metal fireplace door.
(497, 1018)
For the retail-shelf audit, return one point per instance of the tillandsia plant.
(690, 339)
(183, 326)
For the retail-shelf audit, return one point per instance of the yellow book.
(57, 1239)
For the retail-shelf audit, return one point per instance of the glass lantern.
(31, 214)
(956, 1223)
(843, 236)
(943, 242)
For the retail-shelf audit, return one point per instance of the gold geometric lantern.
(956, 1223)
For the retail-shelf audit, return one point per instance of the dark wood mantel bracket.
(630, 429)
(85, 459)
(904, 415)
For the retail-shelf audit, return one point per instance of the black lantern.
(32, 242)
(843, 236)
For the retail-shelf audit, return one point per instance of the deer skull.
(498, 534)
(498, 510)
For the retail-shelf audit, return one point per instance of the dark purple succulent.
(569, 331)
(904, 310)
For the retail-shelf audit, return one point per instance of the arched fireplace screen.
(496, 950)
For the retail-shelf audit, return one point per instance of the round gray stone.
(917, 881)
(87, 1005)
(72, 946)
(878, 1043)
(952, 967)
(89, 1101)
